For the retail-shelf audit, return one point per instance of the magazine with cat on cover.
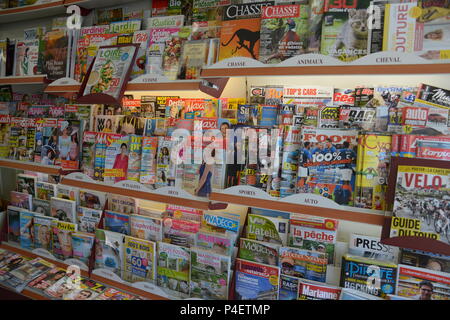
(108, 250)
(42, 228)
(139, 260)
(268, 229)
(26, 58)
(21, 200)
(256, 281)
(117, 222)
(288, 287)
(314, 233)
(123, 204)
(209, 275)
(284, 32)
(146, 228)
(302, 263)
(173, 267)
(327, 164)
(82, 243)
(88, 219)
(345, 30)
(63, 210)
(259, 251)
(62, 239)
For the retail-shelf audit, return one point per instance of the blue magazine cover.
(117, 222)
(26, 234)
(288, 287)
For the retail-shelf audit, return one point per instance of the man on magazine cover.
(426, 291)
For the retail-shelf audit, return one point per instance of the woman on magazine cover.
(204, 183)
(121, 162)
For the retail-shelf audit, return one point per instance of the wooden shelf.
(32, 12)
(350, 214)
(40, 79)
(328, 70)
(30, 166)
(156, 86)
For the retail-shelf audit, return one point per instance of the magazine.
(4, 135)
(171, 57)
(134, 158)
(139, 260)
(255, 281)
(141, 37)
(116, 158)
(284, 32)
(209, 275)
(422, 259)
(88, 153)
(92, 199)
(371, 247)
(100, 152)
(26, 57)
(42, 207)
(311, 265)
(148, 105)
(54, 54)
(164, 176)
(117, 222)
(268, 229)
(63, 210)
(62, 239)
(358, 273)
(42, 228)
(215, 242)
(422, 284)
(46, 279)
(108, 250)
(45, 190)
(82, 244)
(350, 294)
(173, 267)
(68, 193)
(88, 219)
(114, 294)
(146, 228)
(106, 123)
(62, 288)
(26, 229)
(194, 55)
(180, 232)
(148, 162)
(259, 251)
(13, 221)
(412, 191)
(311, 290)
(88, 290)
(26, 184)
(288, 287)
(68, 149)
(21, 200)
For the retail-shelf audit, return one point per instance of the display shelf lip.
(141, 194)
(346, 213)
(127, 288)
(30, 166)
(36, 79)
(168, 85)
(31, 8)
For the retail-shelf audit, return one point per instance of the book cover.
(88, 219)
(307, 264)
(134, 158)
(209, 275)
(256, 281)
(284, 32)
(123, 204)
(63, 210)
(42, 228)
(146, 228)
(53, 54)
(139, 260)
(288, 287)
(268, 229)
(259, 251)
(148, 162)
(13, 221)
(108, 250)
(62, 239)
(82, 246)
(21, 200)
(173, 267)
(117, 222)
(26, 57)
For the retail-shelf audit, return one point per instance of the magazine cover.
(422, 259)
(92, 199)
(268, 229)
(117, 222)
(345, 30)
(173, 267)
(21, 200)
(108, 250)
(259, 251)
(164, 176)
(358, 273)
(62, 239)
(134, 158)
(68, 193)
(422, 284)
(63, 210)
(123, 204)
(88, 290)
(311, 290)
(114, 294)
(54, 54)
(288, 287)
(45, 190)
(139, 260)
(157, 44)
(327, 167)
(69, 149)
(46, 280)
(255, 281)
(160, 107)
(4, 135)
(13, 221)
(371, 247)
(116, 158)
(350, 294)
(314, 233)
(141, 37)
(26, 58)
(307, 264)
(180, 232)
(82, 246)
(106, 123)
(148, 105)
(88, 219)
(148, 162)
(88, 153)
(26, 184)
(62, 288)
(41, 207)
(26, 229)
(18, 278)
(130, 124)
(194, 55)
(146, 228)
(171, 57)
(100, 152)
(284, 32)
(42, 228)
(209, 275)
(215, 242)
(426, 188)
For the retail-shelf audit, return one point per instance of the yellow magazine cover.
(374, 158)
(240, 38)
(139, 260)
